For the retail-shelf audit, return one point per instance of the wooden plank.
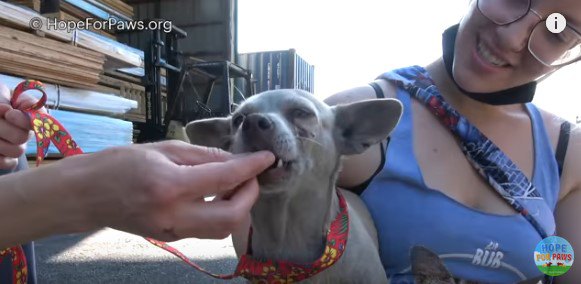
(41, 63)
(126, 90)
(74, 11)
(116, 83)
(63, 16)
(31, 71)
(61, 60)
(109, 9)
(32, 4)
(26, 55)
(124, 77)
(22, 18)
(109, 47)
(48, 44)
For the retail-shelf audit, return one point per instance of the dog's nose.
(257, 121)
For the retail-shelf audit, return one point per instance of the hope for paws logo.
(554, 256)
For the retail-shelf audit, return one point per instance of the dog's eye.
(237, 120)
(301, 113)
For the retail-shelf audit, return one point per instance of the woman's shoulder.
(570, 178)
(364, 92)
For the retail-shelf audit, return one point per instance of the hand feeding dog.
(299, 205)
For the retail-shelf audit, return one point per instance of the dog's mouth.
(279, 171)
(280, 164)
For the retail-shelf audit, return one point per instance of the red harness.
(47, 130)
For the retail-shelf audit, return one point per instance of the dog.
(298, 198)
(428, 268)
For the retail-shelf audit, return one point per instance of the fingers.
(217, 219)
(9, 150)
(4, 94)
(18, 118)
(215, 178)
(183, 153)
(4, 108)
(8, 163)
(12, 134)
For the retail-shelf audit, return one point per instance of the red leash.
(47, 129)
(273, 271)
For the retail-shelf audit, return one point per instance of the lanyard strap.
(46, 130)
(278, 271)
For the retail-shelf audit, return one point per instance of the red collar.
(274, 271)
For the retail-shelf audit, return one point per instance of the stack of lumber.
(76, 10)
(86, 93)
(44, 59)
(64, 16)
(118, 55)
(128, 87)
(87, 101)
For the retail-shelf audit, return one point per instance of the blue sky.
(351, 42)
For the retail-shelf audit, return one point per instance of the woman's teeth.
(486, 54)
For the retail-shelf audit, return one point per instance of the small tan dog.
(428, 268)
(298, 199)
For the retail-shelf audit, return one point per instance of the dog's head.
(306, 135)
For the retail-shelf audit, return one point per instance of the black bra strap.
(562, 144)
(360, 188)
(378, 91)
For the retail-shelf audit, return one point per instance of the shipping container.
(272, 70)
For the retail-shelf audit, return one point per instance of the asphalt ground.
(111, 256)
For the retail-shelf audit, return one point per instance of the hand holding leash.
(14, 128)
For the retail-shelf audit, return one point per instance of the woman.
(423, 189)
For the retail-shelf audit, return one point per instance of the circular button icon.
(554, 256)
(556, 23)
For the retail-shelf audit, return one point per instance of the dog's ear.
(211, 132)
(361, 124)
(427, 267)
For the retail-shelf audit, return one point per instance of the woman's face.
(489, 57)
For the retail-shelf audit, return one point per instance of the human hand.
(157, 190)
(14, 128)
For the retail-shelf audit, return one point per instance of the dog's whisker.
(310, 140)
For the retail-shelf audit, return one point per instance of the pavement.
(111, 256)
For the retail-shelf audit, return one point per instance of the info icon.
(554, 256)
(556, 23)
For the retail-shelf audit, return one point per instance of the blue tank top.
(474, 245)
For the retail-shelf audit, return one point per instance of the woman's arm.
(154, 190)
(568, 212)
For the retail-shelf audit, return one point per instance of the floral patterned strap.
(46, 129)
(272, 271)
(18, 261)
